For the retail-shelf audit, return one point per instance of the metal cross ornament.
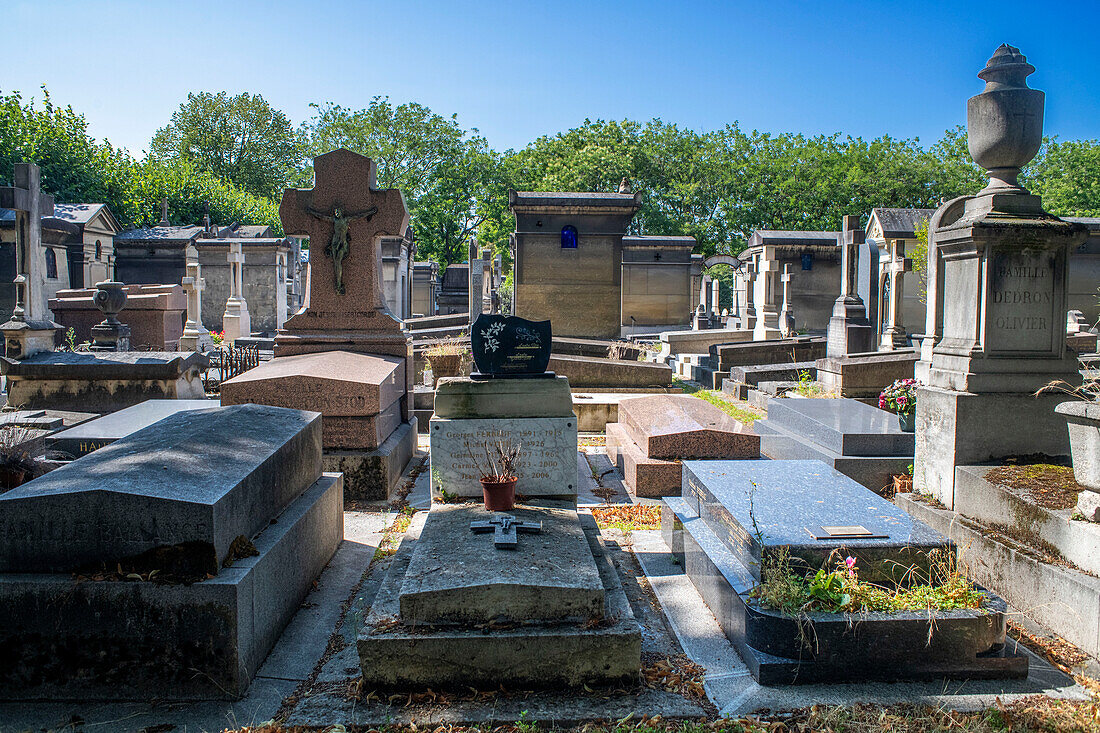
(504, 528)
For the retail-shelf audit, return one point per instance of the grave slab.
(395, 655)
(643, 476)
(102, 381)
(456, 576)
(681, 426)
(755, 507)
(94, 434)
(844, 426)
(203, 477)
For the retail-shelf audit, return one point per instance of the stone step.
(844, 426)
(644, 477)
(872, 472)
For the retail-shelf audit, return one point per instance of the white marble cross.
(893, 336)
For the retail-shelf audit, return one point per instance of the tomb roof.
(658, 240)
(899, 223)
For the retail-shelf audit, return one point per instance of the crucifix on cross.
(504, 528)
(340, 243)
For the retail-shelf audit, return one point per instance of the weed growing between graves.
(627, 517)
(808, 386)
(391, 537)
(841, 591)
(737, 413)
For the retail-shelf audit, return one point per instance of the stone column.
(849, 330)
(31, 329)
(700, 321)
(280, 289)
(1001, 267)
(477, 281)
(236, 321)
(736, 318)
(750, 296)
(894, 336)
(715, 297)
(786, 313)
(195, 337)
(767, 313)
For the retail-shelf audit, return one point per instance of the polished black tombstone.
(509, 346)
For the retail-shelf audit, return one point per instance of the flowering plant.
(901, 397)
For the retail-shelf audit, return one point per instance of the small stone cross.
(30, 205)
(786, 314)
(504, 528)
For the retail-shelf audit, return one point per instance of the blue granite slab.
(757, 507)
(847, 427)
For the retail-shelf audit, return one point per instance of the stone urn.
(1004, 123)
(110, 298)
(1083, 420)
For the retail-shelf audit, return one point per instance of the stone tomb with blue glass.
(733, 514)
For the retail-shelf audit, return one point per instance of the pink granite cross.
(344, 215)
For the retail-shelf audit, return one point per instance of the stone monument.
(767, 313)
(849, 330)
(196, 337)
(345, 355)
(537, 608)
(509, 396)
(236, 321)
(997, 284)
(30, 329)
(111, 334)
(893, 332)
(786, 313)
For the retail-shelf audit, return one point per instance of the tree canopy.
(237, 154)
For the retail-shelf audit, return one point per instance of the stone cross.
(195, 335)
(477, 280)
(786, 314)
(236, 321)
(893, 336)
(280, 289)
(750, 295)
(767, 315)
(30, 205)
(849, 330)
(853, 236)
(344, 215)
(504, 528)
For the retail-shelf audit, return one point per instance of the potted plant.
(17, 464)
(901, 397)
(496, 465)
(447, 357)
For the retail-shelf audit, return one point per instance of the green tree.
(448, 174)
(240, 139)
(1065, 175)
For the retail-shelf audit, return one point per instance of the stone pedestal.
(766, 327)
(534, 413)
(27, 338)
(360, 398)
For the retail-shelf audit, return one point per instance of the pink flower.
(850, 562)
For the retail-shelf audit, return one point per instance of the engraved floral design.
(490, 335)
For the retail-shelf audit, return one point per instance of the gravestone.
(94, 434)
(736, 515)
(510, 397)
(1000, 280)
(849, 330)
(351, 358)
(30, 329)
(893, 333)
(654, 434)
(507, 346)
(225, 516)
(196, 337)
(236, 321)
(862, 442)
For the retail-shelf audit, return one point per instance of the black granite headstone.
(509, 346)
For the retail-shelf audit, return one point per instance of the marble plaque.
(1021, 315)
(549, 463)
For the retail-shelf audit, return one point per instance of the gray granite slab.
(203, 476)
(756, 507)
(848, 427)
(94, 434)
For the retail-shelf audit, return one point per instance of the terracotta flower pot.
(500, 496)
(903, 484)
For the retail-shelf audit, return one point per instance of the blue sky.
(519, 69)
